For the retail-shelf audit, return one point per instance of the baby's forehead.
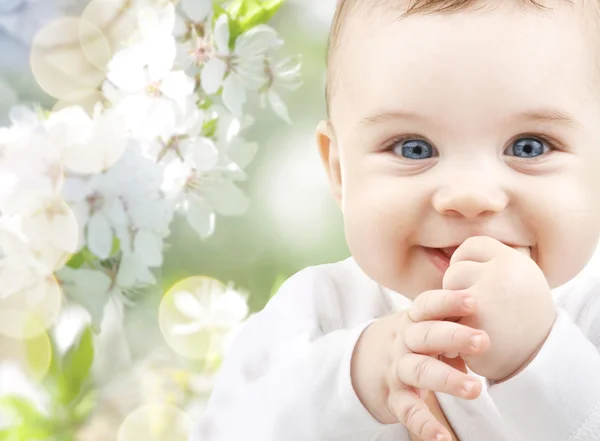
(356, 44)
(506, 58)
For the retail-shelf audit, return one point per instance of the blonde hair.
(406, 7)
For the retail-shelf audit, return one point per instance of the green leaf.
(116, 246)
(77, 364)
(7, 434)
(233, 9)
(76, 261)
(22, 408)
(53, 381)
(209, 128)
(27, 432)
(84, 408)
(257, 12)
(31, 425)
(85, 255)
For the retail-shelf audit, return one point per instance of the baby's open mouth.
(449, 251)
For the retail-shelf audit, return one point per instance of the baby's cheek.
(378, 233)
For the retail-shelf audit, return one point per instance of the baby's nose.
(469, 199)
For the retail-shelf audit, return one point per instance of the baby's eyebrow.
(543, 115)
(550, 115)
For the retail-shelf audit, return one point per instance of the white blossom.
(30, 168)
(209, 309)
(87, 144)
(148, 93)
(236, 69)
(282, 75)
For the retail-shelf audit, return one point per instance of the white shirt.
(287, 375)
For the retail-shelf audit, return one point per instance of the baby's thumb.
(524, 250)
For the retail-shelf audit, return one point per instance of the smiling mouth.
(448, 252)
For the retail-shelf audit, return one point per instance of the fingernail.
(468, 302)
(440, 437)
(476, 341)
(468, 386)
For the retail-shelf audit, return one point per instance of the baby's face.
(474, 123)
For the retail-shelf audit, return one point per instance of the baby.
(463, 147)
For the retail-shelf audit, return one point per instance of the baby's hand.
(395, 362)
(514, 303)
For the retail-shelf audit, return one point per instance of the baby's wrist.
(368, 372)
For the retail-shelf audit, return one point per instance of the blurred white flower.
(196, 10)
(99, 211)
(95, 289)
(230, 143)
(186, 144)
(236, 69)
(73, 319)
(201, 195)
(30, 168)
(125, 202)
(282, 75)
(27, 287)
(149, 94)
(87, 144)
(209, 309)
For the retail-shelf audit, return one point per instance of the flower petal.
(221, 34)
(205, 154)
(201, 217)
(256, 40)
(99, 236)
(197, 10)
(149, 247)
(161, 58)
(189, 305)
(234, 94)
(90, 288)
(229, 309)
(212, 75)
(126, 70)
(227, 199)
(177, 85)
(242, 152)
(186, 329)
(278, 106)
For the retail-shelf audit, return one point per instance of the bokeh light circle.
(53, 233)
(199, 343)
(61, 66)
(118, 22)
(29, 312)
(37, 352)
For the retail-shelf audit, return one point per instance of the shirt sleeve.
(284, 379)
(557, 396)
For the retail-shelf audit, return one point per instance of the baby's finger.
(412, 411)
(442, 337)
(440, 304)
(425, 372)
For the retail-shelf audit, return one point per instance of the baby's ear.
(330, 156)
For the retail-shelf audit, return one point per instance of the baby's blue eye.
(527, 148)
(415, 149)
